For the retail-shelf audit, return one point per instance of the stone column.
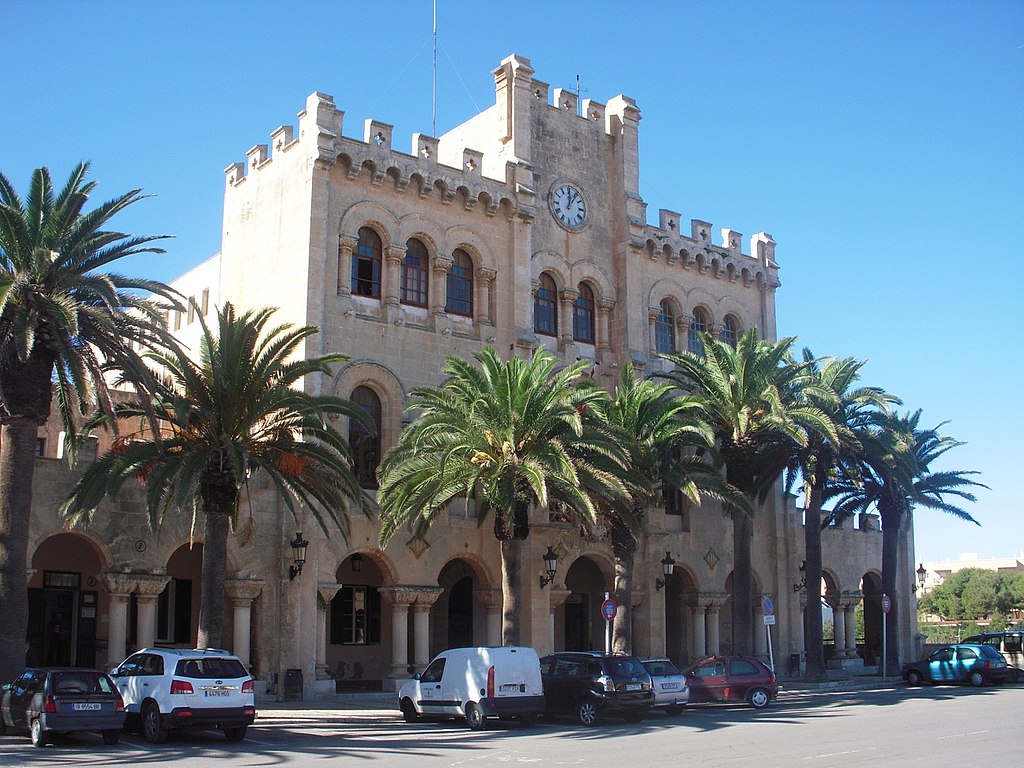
(399, 599)
(490, 599)
(839, 628)
(425, 599)
(327, 593)
(119, 586)
(241, 593)
(346, 246)
(485, 302)
(556, 599)
(604, 335)
(652, 322)
(851, 629)
(566, 301)
(712, 628)
(760, 634)
(147, 590)
(699, 649)
(392, 278)
(438, 290)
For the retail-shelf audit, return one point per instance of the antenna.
(433, 95)
(579, 104)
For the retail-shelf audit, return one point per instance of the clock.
(568, 206)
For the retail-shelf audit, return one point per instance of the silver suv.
(169, 688)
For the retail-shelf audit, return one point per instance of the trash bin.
(293, 685)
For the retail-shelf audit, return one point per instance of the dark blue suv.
(588, 685)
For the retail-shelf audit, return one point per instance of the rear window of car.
(661, 668)
(80, 682)
(210, 668)
(624, 667)
(990, 653)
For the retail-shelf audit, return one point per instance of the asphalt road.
(895, 727)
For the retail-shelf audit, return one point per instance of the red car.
(732, 678)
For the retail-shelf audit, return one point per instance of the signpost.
(768, 608)
(886, 607)
(608, 611)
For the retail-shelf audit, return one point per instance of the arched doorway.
(355, 655)
(65, 601)
(680, 601)
(582, 624)
(177, 607)
(452, 617)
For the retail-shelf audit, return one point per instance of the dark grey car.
(45, 701)
(589, 685)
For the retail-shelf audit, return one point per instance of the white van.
(476, 683)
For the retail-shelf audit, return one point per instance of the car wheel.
(111, 737)
(976, 679)
(39, 736)
(153, 729)
(236, 733)
(475, 716)
(588, 713)
(409, 713)
(759, 698)
(914, 677)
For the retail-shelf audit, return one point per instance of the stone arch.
(871, 588)
(586, 271)
(578, 622)
(369, 214)
(473, 243)
(384, 382)
(681, 588)
(384, 564)
(106, 561)
(670, 289)
(553, 262)
(422, 228)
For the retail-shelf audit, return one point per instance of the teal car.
(959, 663)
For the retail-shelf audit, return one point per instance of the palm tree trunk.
(742, 584)
(211, 609)
(17, 468)
(891, 518)
(511, 569)
(622, 625)
(813, 636)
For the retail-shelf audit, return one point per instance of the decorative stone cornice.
(117, 583)
(712, 600)
(147, 585)
(328, 590)
(557, 597)
(243, 589)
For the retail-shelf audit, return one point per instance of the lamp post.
(550, 566)
(668, 564)
(922, 575)
(298, 545)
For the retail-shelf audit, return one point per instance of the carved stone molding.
(243, 589)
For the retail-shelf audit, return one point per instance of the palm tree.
(510, 435)
(748, 393)
(65, 325)
(895, 475)
(668, 445)
(239, 411)
(829, 384)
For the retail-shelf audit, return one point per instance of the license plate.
(634, 686)
(670, 686)
(511, 687)
(217, 693)
(86, 705)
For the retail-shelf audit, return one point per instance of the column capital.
(150, 585)
(328, 590)
(557, 597)
(394, 253)
(347, 242)
(398, 597)
(117, 583)
(486, 274)
(605, 306)
(712, 600)
(425, 598)
(490, 598)
(241, 590)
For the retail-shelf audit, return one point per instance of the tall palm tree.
(748, 393)
(829, 384)
(895, 475)
(65, 325)
(668, 445)
(238, 411)
(510, 435)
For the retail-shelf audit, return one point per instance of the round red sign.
(609, 609)
(886, 603)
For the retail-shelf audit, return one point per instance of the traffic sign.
(769, 619)
(609, 609)
(767, 606)
(886, 603)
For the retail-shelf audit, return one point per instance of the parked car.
(476, 683)
(1010, 644)
(732, 678)
(61, 700)
(671, 693)
(959, 663)
(169, 688)
(589, 685)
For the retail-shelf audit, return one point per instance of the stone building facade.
(522, 227)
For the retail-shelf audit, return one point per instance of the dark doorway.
(460, 613)
(577, 622)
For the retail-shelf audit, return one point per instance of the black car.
(45, 701)
(589, 685)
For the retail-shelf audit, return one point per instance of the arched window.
(665, 329)
(583, 315)
(366, 264)
(414, 274)
(365, 446)
(545, 307)
(730, 331)
(698, 325)
(460, 284)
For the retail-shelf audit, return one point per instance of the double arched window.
(366, 260)
(460, 284)
(365, 445)
(665, 329)
(545, 307)
(583, 315)
(415, 274)
(698, 325)
(730, 331)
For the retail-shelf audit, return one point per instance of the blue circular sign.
(767, 606)
(609, 609)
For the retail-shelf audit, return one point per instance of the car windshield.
(80, 682)
(210, 668)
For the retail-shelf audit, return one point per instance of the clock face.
(568, 206)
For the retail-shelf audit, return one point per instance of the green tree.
(668, 445)
(237, 412)
(749, 397)
(66, 325)
(895, 474)
(510, 435)
(972, 594)
(830, 385)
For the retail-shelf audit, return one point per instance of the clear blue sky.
(881, 144)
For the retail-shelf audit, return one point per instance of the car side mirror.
(7, 686)
(417, 676)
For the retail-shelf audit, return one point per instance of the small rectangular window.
(205, 306)
(191, 309)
